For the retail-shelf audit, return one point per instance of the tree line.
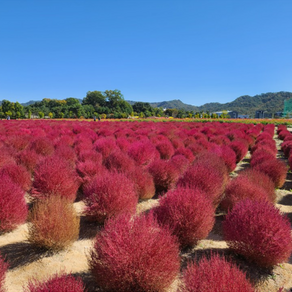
(98, 104)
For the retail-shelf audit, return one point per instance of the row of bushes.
(111, 168)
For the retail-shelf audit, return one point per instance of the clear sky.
(197, 51)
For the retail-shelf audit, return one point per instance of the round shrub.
(259, 232)
(188, 213)
(209, 180)
(119, 161)
(29, 159)
(13, 207)
(262, 180)
(240, 148)
(134, 254)
(105, 146)
(56, 283)
(43, 146)
(185, 152)
(108, 195)
(143, 152)
(166, 149)
(214, 274)
(180, 162)
(241, 188)
(165, 175)
(260, 156)
(19, 175)
(55, 177)
(54, 224)
(144, 183)
(275, 169)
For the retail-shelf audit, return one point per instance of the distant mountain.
(270, 102)
(30, 102)
(176, 103)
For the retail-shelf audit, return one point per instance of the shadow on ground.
(22, 253)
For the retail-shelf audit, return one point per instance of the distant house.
(261, 114)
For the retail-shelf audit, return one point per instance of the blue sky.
(193, 50)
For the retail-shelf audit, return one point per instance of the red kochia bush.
(119, 161)
(3, 269)
(214, 274)
(208, 180)
(166, 149)
(19, 175)
(29, 159)
(241, 188)
(43, 146)
(108, 195)
(144, 183)
(12, 204)
(143, 153)
(188, 213)
(165, 175)
(56, 283)
(240, 148)
(275, 169)
(180, 162)
(54, 177)
(260, 156)
(134, 254)
(259, 232)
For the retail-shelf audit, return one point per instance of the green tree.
(94, 98)
(41, 115)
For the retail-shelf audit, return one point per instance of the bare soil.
(27, 262)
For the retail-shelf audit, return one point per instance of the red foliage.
(43, 146)
(165, 175)
(180, 162)
(275, 169)
(188, 213)
(241, 188)
(119, 161)
(90, 155)
(227, 154)
(143, 152)
(12, 204)
(201, 176)
(240, 148)
(29, 159)
(5, 157)
(134, 254)
(55, 177)
(108, 195)
(67, 153)
(105, 146)
(262, 180)
(177, 143)
(185, 152)
(214, 274)
(144, 183)
(265, 144)
(259, 232)
(18, 142)
(260, 156)
(165, 149)
(123, 144)
(283, 134)
(56, 283)
(18, 174)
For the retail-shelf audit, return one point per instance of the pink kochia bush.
(275, 169)
(109, 195)
(165, 175)
(259, 232)
(214, 274)
(19, 175)
(188, 213)
(241, 188)
(143, 181)
(56, 283)
(12, 204)
(134, 254)
(55, 177)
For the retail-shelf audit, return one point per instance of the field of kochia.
(153, 191)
